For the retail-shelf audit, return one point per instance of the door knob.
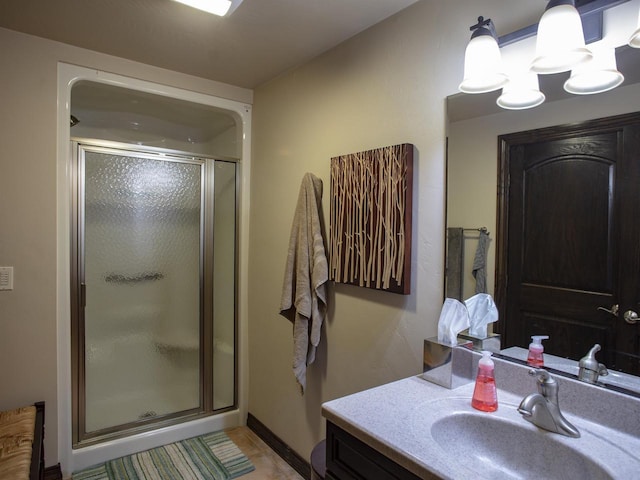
(613, 310)
(631, 317)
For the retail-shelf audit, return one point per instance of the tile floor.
(269, 466)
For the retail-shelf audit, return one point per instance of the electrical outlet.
(6, 278)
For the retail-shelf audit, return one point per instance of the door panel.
(566, 222)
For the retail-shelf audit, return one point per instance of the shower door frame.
(81, 438)
(237, 102)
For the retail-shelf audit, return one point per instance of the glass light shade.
(560, 41)
(634, 41)
(216, 7)
(482, 66)
(596, 76)
(521, 92)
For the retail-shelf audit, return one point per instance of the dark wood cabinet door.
(569, 239)
(351, 459)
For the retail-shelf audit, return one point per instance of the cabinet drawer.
(351, 459)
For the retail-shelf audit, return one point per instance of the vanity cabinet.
(351, 459)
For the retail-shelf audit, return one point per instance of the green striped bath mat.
(208, 457)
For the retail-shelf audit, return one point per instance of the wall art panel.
(370, 226)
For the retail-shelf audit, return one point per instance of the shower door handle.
(83, 295)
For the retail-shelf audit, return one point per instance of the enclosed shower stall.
(154, 261)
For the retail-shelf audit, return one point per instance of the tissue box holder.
(491, 343)
(446, 365)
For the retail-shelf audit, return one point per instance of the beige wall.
(28, 132)
(383, 87)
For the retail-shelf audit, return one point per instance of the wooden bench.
(22, 443)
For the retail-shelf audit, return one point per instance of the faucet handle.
(547, 385)
(542, 376)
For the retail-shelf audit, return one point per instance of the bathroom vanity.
(415, 429)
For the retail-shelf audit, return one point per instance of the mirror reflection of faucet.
(542, 408)
(589, 368)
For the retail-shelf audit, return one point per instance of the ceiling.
(256, 43)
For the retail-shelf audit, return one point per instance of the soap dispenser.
(485, 396)
(535, 357)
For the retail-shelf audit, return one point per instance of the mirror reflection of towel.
(480, 263)
(304, 296)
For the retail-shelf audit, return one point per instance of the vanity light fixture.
(634, 40)
(560, 47)
(216, 7)
(521, 91)
(482, 60)
(560, 41)
(596, 76)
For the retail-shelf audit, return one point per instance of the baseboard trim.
(298, 463)
(53, 473)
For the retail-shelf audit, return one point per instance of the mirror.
(474, 124)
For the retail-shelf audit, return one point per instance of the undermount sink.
(499, 449)
(502, 445)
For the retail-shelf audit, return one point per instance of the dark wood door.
(569, 239)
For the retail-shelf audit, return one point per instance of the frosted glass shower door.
(141, 242)
(224, 283)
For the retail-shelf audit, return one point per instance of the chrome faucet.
(542, 408)
(590, 369)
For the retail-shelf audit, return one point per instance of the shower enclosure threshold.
(87, 456)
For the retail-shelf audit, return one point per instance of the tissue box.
(490, 343)
(446, 365)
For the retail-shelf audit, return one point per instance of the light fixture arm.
(590, 13)
(483, 27)
(555, 3)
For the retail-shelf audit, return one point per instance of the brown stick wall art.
(370, 229)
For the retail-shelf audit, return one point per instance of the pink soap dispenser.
(485, 396)
(536, 357)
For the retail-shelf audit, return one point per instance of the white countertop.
(395, 420)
